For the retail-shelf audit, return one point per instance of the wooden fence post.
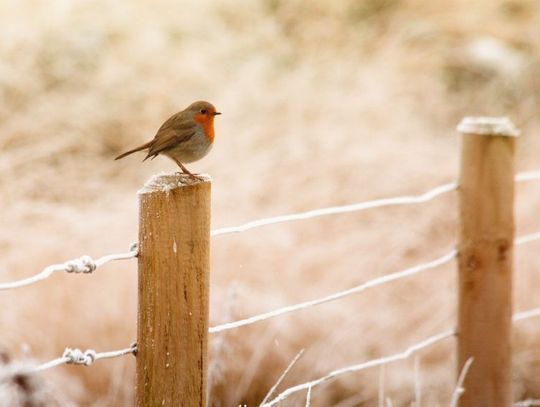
(486, 233)
(172, 332)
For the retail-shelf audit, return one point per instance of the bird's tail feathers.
(144, 146)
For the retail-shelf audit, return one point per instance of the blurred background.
(324, 103)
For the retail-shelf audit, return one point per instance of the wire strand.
(362, 366)
(377, 203)
(84, 264)
(77, 357)
(71, 356)
(527, 176)
(520, 316)
(354, 290)
(527, 403)
(531, 237)
(333, 297)
(432, 340)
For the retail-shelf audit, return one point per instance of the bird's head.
(203, 112)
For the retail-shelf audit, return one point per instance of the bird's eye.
(203, 111)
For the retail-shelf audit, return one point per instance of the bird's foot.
(190, 175)
(198, 177)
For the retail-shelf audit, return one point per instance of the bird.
(185, 137)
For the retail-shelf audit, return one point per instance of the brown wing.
(177, 129)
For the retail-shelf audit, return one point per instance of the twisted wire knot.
(84, 264)
(78, 357)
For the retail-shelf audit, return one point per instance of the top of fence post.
(168, 182)
(488, 126)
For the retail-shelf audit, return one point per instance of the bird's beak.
(216, 113)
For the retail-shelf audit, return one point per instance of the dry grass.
(325, 103)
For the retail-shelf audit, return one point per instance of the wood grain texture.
(486, 201)
(172, 330)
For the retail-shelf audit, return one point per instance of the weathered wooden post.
(486, 233)
(172, 328)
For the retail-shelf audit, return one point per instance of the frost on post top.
(167, 182)
(494, 126)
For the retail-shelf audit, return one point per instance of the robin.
(185, 137)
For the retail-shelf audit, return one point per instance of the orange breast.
(207, 124)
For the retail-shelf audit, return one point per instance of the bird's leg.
(184, 169)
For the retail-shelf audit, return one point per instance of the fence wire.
(334, 210)
(88, 357)
(355, 290)
(426, 343)
(71, 356)
(336, 296)
(531, 237)
(362, 366)
(527, 176)
(84, 264)
(527, 403)
(526, 314)
(74, 356)
(377, 203)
